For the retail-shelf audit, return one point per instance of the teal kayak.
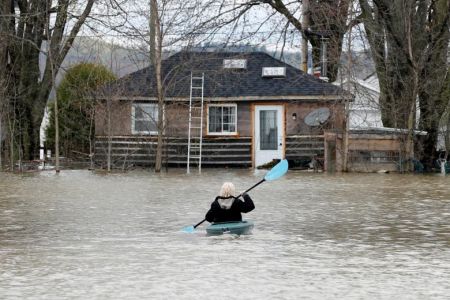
(239, 227)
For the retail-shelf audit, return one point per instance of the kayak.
(238, 227)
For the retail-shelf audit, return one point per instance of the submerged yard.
(81, 235)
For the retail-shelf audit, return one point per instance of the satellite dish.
(317, 117)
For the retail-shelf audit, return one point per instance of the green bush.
(76, 104)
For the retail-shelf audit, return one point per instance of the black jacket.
(217, 214)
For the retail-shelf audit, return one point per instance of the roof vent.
(274, 72)
(235, 64)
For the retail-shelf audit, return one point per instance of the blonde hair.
(227, 190)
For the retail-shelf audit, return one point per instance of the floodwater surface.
(82, 235)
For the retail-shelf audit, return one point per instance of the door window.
(268, 130)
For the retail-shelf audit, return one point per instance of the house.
(364, 111)
(254, 110)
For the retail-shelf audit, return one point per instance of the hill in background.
(122, 60)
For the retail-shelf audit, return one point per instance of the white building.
(364, 110)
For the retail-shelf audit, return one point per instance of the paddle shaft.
(199, 223)
(252, 187)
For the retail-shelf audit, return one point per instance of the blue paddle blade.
(188, 229)
(279, 170)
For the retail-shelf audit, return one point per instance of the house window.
(144, 118)
(222, 119)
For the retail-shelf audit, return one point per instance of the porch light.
(294, 116)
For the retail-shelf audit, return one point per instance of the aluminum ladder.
(195, 134)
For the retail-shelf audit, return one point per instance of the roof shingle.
(220, 82)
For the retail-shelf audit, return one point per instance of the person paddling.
(226, 207)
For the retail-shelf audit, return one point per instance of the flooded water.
(81, 235)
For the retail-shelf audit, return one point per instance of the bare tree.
(36, 27)
(156, 60)
(5, 24)
(445, 119)
(327, 21)
(409, 41)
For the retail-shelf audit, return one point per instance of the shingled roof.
(221, 82)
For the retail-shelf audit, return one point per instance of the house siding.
(366, 152)
(120, 118)
(302, 109)
(130, 151)
(177, 118)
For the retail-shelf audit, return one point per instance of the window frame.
(235, 132)
(133, 118)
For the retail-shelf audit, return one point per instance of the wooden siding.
(230, 151)
(177, 116)
(176, 119)
(367, 152)
(302, 109)
(305, 147)
(140, 151)
(120, 118)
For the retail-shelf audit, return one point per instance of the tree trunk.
(108, 158)
(155, 54)
(1, 141)
(434, 80)
(56, 136)
(30, 89)
(305, 24)
(5, 29)
(445, 119)
(327, 19)
(410, 59)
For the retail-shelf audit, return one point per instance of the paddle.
(276, 172)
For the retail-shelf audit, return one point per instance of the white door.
(268, 134)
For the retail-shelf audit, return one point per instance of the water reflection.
(81, 235)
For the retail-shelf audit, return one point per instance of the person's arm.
(210, 215)
(247, 205)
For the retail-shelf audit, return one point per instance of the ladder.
(195, 134)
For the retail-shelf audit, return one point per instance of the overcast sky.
(189, 23)
(181, 22)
